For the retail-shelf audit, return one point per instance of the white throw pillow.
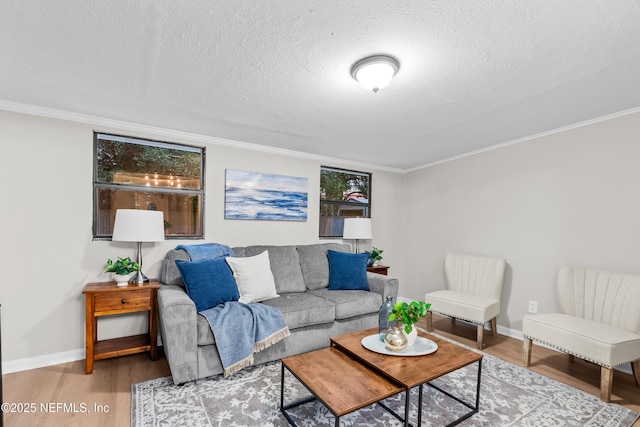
(254, 277)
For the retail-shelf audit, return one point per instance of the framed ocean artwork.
(265, 196)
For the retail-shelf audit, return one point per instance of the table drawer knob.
(124, 301)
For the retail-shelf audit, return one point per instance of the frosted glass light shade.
(375, 72)
(134, 225)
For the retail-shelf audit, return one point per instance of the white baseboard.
(74, 355)
(42, 361)
(47, 360)
(513, 333)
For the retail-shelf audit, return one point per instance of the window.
(343, 194)
(132, 173)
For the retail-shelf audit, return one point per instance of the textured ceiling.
(473, 74)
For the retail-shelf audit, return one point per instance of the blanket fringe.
(270, 340)
(258, 346)
(238, 366)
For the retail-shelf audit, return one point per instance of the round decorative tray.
(421, 347)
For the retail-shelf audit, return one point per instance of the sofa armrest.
(178, 329)
(383, 285)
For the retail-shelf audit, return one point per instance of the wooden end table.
(380, 269)
(107, 299)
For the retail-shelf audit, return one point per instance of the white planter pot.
(411, 337)
(122, 279)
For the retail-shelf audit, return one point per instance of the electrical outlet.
(533, 306)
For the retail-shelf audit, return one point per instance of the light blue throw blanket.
(241, 330)
(206, 250)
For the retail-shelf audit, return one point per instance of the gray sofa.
(312, 312)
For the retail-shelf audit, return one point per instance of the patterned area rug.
(510, 396)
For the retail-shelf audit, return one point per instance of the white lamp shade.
(357, 228)
(134, 225)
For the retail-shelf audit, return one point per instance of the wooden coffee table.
(412, 371)
(372, 377)
(342, 384)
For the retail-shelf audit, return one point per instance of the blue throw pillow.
(347, 271)
(209, 282)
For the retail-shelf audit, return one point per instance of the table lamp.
(357, 228)
(135, 225)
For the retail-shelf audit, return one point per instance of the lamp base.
(135, 279)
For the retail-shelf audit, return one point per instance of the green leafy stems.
(122, 266)
(408, 314)
(376, 254)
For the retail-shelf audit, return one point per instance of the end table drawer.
(124, 301)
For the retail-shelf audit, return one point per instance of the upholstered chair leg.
(429, 321)
(480, 337)
(635, 368)
(526, 352)
(494, 326)
(572, 358)
(606, 383)
(453, 321)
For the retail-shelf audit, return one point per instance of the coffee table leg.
(420, 406)
(282, 387)
(284, 408)
(474, 409)
(478, 385)
(406, 407)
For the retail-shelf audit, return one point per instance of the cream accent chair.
(600, 322)
(474, 285)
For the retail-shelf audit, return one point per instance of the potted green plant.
(375, 255)
(122, 269)
(408, 315)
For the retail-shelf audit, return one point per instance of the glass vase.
(383, 318)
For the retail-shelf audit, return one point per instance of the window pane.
(142, 164)
(181, 211)
(332, 217)
(133, 173)
(343, 193)
(340, 185)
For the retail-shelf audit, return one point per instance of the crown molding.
(175, 134)
(531, 137)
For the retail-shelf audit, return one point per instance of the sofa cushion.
(208, 282)
(239, 251)
(347, 271)
(298, 309)
(595, 341)
(204, 332)
(253, 277)
(351, 303)
(285, 266)
(315, 264)
(301, 309)
(169, 273)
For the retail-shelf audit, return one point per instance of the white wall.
(572, 198)
(569, 198)
(47, 250)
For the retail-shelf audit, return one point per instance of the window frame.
(97, 186)
(367, 206)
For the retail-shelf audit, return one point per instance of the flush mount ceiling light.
(375, 72)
